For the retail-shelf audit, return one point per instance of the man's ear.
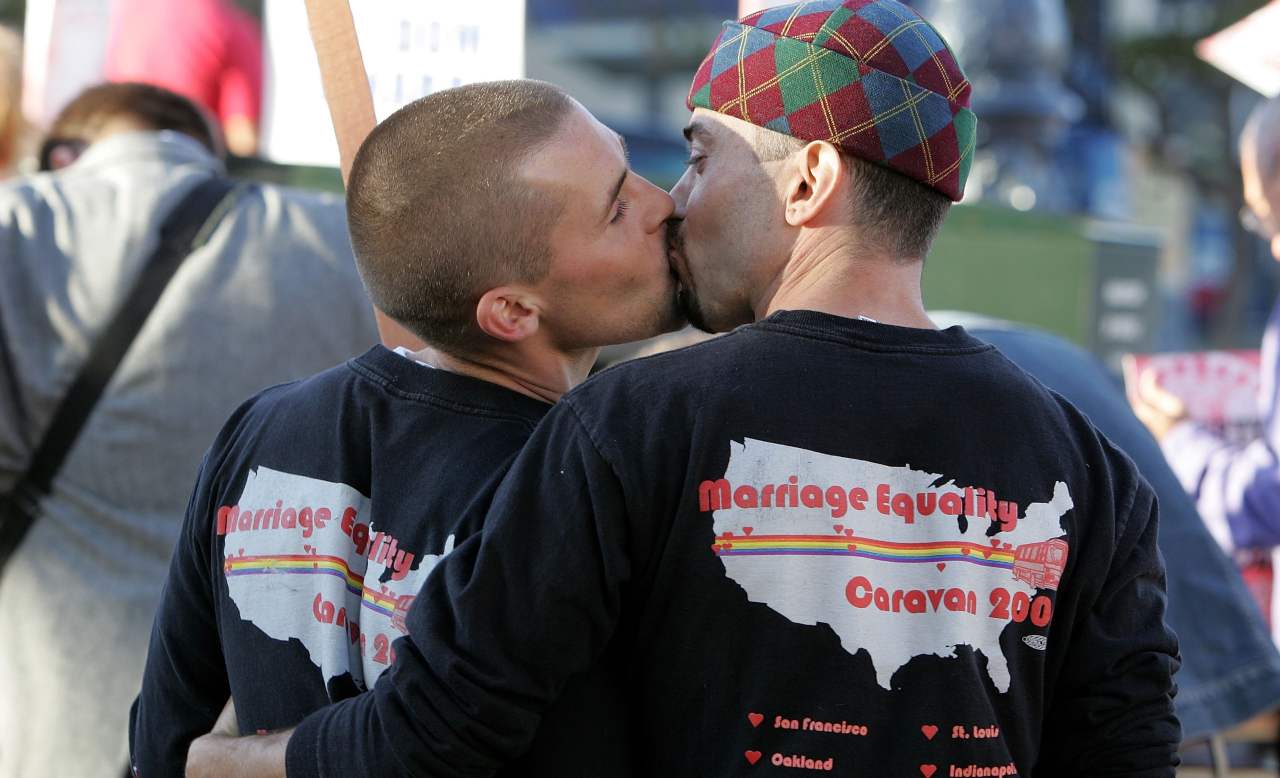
(508, 313)
(819, 181)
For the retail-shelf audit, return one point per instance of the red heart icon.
(927, 770)
(754, 756)
(838, 528)
(942, 566)
(929, 730)
(964, 551)
(853, 546)
(726, 546)
(747, 530)
(715, 547)
(755, 719)
(995, 542)
(986, 553)
(726, 534)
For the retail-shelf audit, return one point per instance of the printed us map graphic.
(878, 553)
(304, 559)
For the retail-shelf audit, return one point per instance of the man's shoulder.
(665, 372)
(380, 390)
(313, 398)
(291, 224)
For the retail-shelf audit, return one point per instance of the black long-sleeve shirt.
(319, 511)
(821, 544)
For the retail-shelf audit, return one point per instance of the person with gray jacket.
(270, 295)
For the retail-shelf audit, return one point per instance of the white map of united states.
(804, 563)
(317, 585)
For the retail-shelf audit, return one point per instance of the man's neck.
(831, 274)
(542, 374)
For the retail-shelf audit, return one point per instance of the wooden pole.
(346, 89)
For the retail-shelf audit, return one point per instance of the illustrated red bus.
(402, 610)
(1041, 564)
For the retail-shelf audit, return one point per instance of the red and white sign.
(1249, 51)
(1220, 391)
(64, 48)
(1219, 388)
(410, 49)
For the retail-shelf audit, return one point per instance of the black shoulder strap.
(185, 229)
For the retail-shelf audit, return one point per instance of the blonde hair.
(12, 126)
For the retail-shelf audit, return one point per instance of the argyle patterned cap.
(869, 76)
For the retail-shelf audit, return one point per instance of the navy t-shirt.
(318, 513)
(824, 545)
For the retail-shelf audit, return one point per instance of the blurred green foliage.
(11, 12)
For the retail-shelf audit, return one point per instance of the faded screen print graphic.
(896, 561)
(304, 560)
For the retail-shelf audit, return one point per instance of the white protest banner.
(1248, 50)
(410, 48)
(64, 49)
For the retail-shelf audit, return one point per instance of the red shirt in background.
(207, 50)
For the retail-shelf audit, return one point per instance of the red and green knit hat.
(869, 76)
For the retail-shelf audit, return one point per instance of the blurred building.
(630, 64)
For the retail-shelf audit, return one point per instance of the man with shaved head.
(500, 223)
(836, 540)
(1236, 487)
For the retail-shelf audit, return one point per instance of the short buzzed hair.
(154, 107)
(438, 213)
(899, 213)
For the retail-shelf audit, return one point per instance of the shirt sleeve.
(184, 682)
(1236, 488)
(1112, 711)
(498, 629)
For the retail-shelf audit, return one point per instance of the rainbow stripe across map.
(844, 543)
(311, 564)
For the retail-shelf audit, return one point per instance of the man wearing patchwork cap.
(836, 539)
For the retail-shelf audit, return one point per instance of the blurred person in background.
(209, 51)
(1236, 487)
(1230, 669)
(271, 294)
(12, 125)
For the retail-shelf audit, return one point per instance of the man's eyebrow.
(699, 131)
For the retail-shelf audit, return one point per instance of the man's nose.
(660, 207)
(680, 195)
